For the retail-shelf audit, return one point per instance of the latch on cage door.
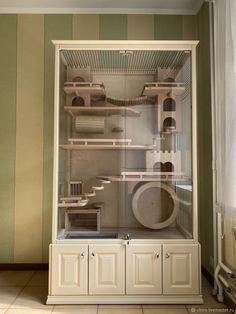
(127, 238)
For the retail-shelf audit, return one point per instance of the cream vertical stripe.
(140, 27)
(85, 26)
(8, 34)
(29, 139)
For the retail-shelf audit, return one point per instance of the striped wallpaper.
(26, 117)
(204, 140)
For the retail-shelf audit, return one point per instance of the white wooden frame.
(125, 45)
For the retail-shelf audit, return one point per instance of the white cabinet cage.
(125, 173)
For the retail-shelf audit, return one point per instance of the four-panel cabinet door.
(116, 269)
(106, 269)
(69, 269)
(180, 269)
(143, 269)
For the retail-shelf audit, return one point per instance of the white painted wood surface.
(69, 277)
(105, 147)
(106, 269)
(168, 271)
(69, 269)
(103, 111)
(127, 299)
(180, 269)
(143, 269)
(84, 88)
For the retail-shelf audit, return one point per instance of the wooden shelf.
(102, 111)
(157, 88)
(73, 201)
(84, 88)
(105, 147)
(146, 176)
(103, 144)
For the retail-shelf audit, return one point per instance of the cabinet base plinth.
(183, 299)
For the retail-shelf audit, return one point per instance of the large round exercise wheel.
(155, 205)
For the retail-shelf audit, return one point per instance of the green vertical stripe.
(204, 137)
(8, 38)
(86, 26)
(168, 27)
(55, 27)
(189, 27)
(113, 26)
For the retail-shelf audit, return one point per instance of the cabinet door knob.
(82, 254)
(157, 255)
(167, 255)
(92, 254)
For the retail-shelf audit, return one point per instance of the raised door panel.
(69, 269)
(143, 269)
(180, 269)
(106, 269)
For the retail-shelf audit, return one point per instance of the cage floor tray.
(92, 236)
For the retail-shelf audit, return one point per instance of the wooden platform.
(146, 176)
(102, 111)
(84, 88)
(103, 144)
(157, 88)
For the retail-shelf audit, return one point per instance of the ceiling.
(102, 6)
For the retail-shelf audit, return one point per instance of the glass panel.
(229, 254)
(125, 144)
